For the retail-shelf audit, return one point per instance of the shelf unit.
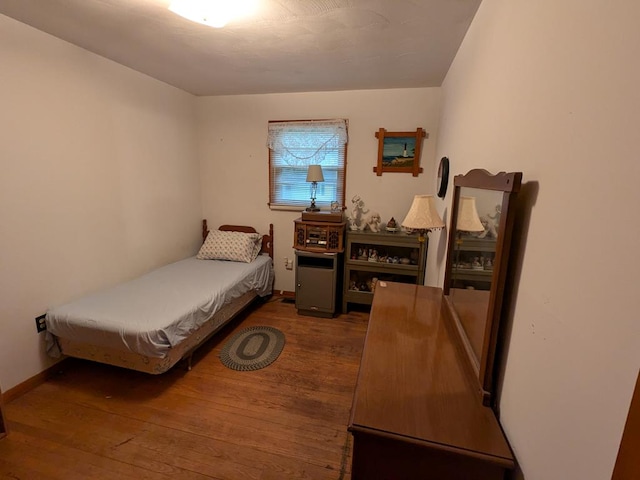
(398, 257)
(472, 263)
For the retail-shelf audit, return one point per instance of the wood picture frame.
(399, 151)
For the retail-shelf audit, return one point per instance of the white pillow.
(258, 247)
(233, 246)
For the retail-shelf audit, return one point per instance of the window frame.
(339, 186)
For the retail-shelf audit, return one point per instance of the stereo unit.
(319, 236)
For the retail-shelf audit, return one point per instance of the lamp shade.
(423, 214)
(468, 219)
(314, 174)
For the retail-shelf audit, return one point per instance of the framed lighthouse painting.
(399, 151)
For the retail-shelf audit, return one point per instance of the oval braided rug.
(252, 348)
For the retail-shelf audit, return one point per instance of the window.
(293, 146)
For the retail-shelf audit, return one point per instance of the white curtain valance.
(306, 142)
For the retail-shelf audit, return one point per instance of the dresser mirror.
(482, 218)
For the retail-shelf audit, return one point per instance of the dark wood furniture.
(416, 413)
(3, 428)
(627, 465)
(407, 251)
(478, 323)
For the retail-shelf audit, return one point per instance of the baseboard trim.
(285, 294)
(32, 382)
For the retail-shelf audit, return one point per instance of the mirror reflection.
(476, 233)
(475, 276)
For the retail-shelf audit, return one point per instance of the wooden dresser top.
(413, 384)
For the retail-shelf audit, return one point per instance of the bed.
(152, 322)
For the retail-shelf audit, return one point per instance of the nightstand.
(319, 245)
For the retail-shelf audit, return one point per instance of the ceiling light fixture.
(213, 13)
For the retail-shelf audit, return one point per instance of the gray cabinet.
(317, 276)
(383, 256)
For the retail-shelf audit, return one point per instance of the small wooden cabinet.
(384, 256)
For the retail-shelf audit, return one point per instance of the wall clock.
(443, 177)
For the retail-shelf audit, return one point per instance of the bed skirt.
(156, 365)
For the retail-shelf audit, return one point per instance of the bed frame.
(186, 348)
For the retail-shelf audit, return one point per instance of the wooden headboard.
(267, 239)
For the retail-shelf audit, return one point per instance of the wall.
(551, 89)
(234, 157)
(98, 182)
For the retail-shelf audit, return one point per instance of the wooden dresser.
(3, 429)
(416, 413)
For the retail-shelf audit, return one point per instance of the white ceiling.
(288, 46)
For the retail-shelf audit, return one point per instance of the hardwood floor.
(286, 421)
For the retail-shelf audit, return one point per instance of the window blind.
(293, 146)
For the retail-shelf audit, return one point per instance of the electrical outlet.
(41, 325)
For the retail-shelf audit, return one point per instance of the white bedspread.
(150, 314)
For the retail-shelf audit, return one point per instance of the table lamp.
(423, 216)
(314, 175)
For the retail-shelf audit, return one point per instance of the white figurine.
(490, 230)
(358, 211)
(373, 222)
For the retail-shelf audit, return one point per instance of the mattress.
(152, 313)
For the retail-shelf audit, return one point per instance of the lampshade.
(468, 219)
(423, 214)
(314, 174)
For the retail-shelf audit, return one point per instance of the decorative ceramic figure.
(392, 225)
(496, 216)
(489, 228)
(358, 211)
(373, 222)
